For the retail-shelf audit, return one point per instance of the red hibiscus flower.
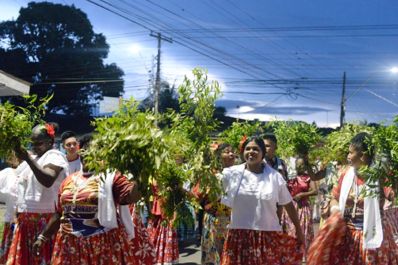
(50, 130)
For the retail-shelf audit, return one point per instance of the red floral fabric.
(251, 247)
(164, 238)
(337, 243)
(29, 226)
(391, 220)
(305, 216)
(106, 248)
(143, 250)
(81, 239)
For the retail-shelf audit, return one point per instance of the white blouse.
(33, 197)
(253, 198)
(75, 166)
(8, 192)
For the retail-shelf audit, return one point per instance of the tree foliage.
(384, 142)
(336, 144)
(130, 141)
(234, 134)
(295, 137)
(54, 46)
(197, 103)
(17, 123)
(168, 99)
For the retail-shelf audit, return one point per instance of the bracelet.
(334, 207)
(42, 238)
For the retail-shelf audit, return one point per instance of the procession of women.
(274, 193)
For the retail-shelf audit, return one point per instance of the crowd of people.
(58, 211)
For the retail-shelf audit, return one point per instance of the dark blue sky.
(281, 59)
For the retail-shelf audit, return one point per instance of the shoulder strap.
(240, 182)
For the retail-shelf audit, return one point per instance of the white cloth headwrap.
(107, 215)
(372, 226)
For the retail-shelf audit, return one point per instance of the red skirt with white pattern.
(391, 219)
(305, 216)
(251, 247)
(28, 227)
(337, 243)
(112, 247)
(143, 250)
(164, 238)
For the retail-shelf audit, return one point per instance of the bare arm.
(50, 229)
(134, 195)
(46, 175)
(291, 211)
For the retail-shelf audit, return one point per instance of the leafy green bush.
(17, 122)
(295, 138)
(130, 141)
(233, 135)
(336, 144)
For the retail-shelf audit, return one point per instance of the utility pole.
(159, 36)
(342, 105)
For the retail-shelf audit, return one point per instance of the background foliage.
(176, 154)
(54, 47)
(17, 123)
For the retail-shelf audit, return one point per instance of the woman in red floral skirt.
(162, 233)
(143, 250)
(91, 230)
(252, 191)
(301, 188)
(39, 178)
(355, 233)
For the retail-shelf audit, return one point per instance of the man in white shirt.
(71, 146)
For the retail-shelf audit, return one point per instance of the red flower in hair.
(242, 141)
(50, 130)
(214, 146)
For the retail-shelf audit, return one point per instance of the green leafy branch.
(295, 137)
(233, 135)
(17, 122)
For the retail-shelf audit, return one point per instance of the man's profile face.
(270, 148)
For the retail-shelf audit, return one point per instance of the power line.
(301, 28)
(185, 45)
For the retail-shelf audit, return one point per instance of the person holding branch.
(354, 234)
(39, 178)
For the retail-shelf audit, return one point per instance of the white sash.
(372, 225)
(107, 210)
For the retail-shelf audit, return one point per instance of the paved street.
(189, 253)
